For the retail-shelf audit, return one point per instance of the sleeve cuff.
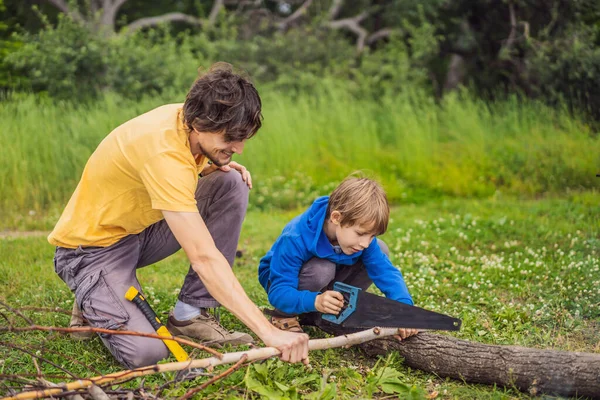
(308, 301)
(157, 205)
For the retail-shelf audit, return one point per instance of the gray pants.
(318, 275)
(100, 276)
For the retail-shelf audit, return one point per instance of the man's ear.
(335, 217)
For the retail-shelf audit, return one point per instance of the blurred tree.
(8, 45)
(100, 16)
(539, 48)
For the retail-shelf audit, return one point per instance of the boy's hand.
(330, 302)
(404, 333)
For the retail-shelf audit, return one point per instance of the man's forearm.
(214, 270)
(222, 284)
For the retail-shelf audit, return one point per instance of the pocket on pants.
(66, 266)
(99, 303)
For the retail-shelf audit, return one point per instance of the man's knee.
(316, 274)
(226, 184)
(136, 352)
(384, 247)
(231, 181)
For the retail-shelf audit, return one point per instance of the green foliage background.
(522, 124)
(554, 53)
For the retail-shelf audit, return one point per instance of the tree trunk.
(456, 72)
(531, 370)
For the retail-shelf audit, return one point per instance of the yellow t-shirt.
(142, 167)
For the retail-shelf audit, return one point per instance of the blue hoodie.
(302, 239)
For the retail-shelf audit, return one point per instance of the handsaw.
(364, 310)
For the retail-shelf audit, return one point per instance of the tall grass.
(461, 147)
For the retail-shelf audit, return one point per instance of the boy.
(334, 240)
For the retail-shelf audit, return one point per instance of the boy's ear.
(335, 217)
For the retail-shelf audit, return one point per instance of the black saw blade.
(376, 311)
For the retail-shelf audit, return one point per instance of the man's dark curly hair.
(223, 101)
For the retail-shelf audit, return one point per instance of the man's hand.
(330, 302)
(241, 169)
(210, 168)
(293, 346)
(404, 333)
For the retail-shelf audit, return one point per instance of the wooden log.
(530, 370)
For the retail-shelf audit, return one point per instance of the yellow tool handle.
(136, 297)
(178, 351)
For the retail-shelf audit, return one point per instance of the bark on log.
(530, 370)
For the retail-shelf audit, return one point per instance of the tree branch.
(504, 52)
(214, 12)
(228, 358)
(170, 17)
(118, 3)
(212, 380)
(110, 8)
(62, 6)
(335, 9)
(34, 327)
(283, 25)
(380, 34)
(353, 25)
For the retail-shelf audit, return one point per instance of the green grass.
(517, 272)
(510, 243)
(418, 149)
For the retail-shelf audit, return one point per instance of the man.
(140, 200)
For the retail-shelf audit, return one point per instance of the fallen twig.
(13, 346)
(228, 358)
(35, 348)
(97, 393)
(33, 327)
(212, 380)
(19, 313)
(68, 395)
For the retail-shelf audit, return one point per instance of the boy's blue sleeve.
(384, 275)
(286, 262)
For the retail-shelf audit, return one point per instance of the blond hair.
(361, 201)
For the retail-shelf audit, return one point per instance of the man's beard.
(213, 157)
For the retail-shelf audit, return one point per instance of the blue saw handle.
(352, 292)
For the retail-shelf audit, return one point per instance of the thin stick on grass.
(13, 346)
(227, 358)
(69, 358)
(5, 317)
(33, 327)
(24, 376)
(212, 380)
(16, 311)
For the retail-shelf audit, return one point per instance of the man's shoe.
(289, 324)
(77, 321)
(207, 329)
